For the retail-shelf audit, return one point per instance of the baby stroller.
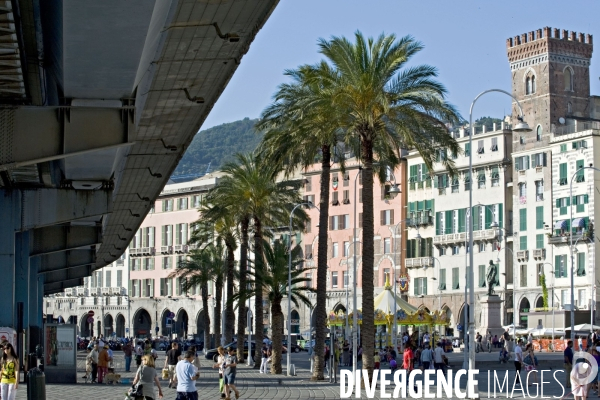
(503, 356)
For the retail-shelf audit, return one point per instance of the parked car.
(213, 353)
(295, 347)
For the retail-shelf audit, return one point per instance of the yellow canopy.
(386, 299)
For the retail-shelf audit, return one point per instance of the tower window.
(538, 133)
(568, 78)
(569, 108)
(530, 84)
(533, 84)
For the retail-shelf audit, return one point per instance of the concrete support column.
(22, 274)
(10, 214)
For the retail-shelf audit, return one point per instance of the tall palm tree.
(386, 106)
(299, 128)
(200, 269)
(274, 280)
(267, 203)
(216, 224)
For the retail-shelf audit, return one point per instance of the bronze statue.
(491, 276)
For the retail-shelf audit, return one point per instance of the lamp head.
(418, 236)
(394, 189)
(522, 127)
(494, 225)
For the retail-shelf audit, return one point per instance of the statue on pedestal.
(491, 276)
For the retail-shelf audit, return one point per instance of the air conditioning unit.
(105, 291)
(523, 255)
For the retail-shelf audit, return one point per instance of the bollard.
(36, 386)
(292, 370)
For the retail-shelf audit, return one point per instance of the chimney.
(494, 126)
(547, 32)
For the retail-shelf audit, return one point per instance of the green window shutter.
(425, 171)
(438, 223)
(424, 286)
(413, 173)
(412, 206)
(557, 203)
(462, 212)
(445, 180)
(416, 287)
(557, 269)
(442, 285)
(408, 252)
(539, 241)
(429, 252)
(580, 264)
(501, 215)
(564, 265)
(585, 199)
(539, 217)
(522, 242)
(467, 149)
(523, 219)
(475, 217)
(580, 171)
(563, 148)
(435, 181)
(413, 244)
(482, 276)
(455, 284)
(489, 216)
(420, 205)
(448, 222)
(526, 162)
(562, 170)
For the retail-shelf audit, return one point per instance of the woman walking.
(229, 374)
(221, 365)
(530, 362)
(346, 354)
(146, 375)
(9, 372)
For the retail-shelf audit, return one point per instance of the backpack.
(393, 363)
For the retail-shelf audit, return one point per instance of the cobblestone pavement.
(254, 386)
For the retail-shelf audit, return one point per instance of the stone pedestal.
(491, 316)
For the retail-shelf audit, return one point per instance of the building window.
(480, 147)
(308, 277)
(539, 217)
(345, 279)
(308, 184)
(538, 160)
(564, 297)
(387, 247)
(581, 264)
(494, 144)
(167, 205)
(119, 278)
(521, 139)
(167, 235)
(522, 163)
(581, 298)
(455, 250)
(562, 174)
(308, 251)
(335, 250)
(442, 283)
(539, 241)
(455, 185)
(523, 271)
(442, 251)
(539, 190)
(481, 247)
(455, 280)
(387, 217)
(569, 108)
(334, 200)
(148, 264)
(334, 279)
(538, 275)
(538, 133)
(167, 263)
(420, 286)
(346, 197)
(346, 179)
(346, 249)
(568, 79)
(182, 203)
(522, 243)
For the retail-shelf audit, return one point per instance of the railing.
(82, 292)
(539, 253)
(166, 249)
(564, 239)
(461, 237)
(117, 291)
(148, 251)
(181, 248)
(523, 255)
(70, 292)
(578, 126)
(419, 262)
(135, 252)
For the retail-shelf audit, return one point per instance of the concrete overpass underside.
(98, 102)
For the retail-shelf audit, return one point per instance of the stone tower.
(550, 78)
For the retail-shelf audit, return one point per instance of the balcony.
(539, 254)
(419, 262)
(566, 238)
(148, 251)
(71, 292)
(181, 249)
(135, 252)
(95, 291)
(488, 234)
(166, 249)
(117, 291)
(82, 292)
(523, 255)
(105, 291)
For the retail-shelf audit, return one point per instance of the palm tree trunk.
(229, 313)
(204, 289)
(218, 297)
(241, 328)
(368, 258)
(320, 309)
(277, 324)
(258, 291)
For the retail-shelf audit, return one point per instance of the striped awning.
(561, 224)
(578, 223)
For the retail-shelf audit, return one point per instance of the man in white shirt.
(518, 361)
(438, 358)
(426, 338)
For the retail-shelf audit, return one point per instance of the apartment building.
(436, 241)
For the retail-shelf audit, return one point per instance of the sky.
(464, 39)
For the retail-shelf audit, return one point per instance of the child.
(377, 360)
(393, 365)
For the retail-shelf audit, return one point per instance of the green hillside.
(217, 145)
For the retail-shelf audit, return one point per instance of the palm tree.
(200, 269)
(274, 280)
(298, 129)
(266, 203)
(216, 224)
(385, 106)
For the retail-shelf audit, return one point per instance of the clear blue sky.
(464, 39)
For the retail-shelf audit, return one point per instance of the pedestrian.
(220, 364)
(426, 357)
(10, 373)
(495, 341)
(88, 364)
(408, 359)
(128, 351)
(186, 377)
(103, 360)
(229, 374)
(518, 361)
(578, 377)
(346, 353)
(530, 362)
(196, 362)
(95, 354)
(377, 360)
(426, 339)
(146, 375)
(438, 358)
(580, 343)
(327, 356)
(139, 352)
(265, 357)
(568, 360)
(111, 368)
(173, 357)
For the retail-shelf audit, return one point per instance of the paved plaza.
(255, 386)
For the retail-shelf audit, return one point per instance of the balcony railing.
(419, 262)
(461, 237)
(578, 126)
(181, 248)
(166, 249)
(566, 238)
(539, 253)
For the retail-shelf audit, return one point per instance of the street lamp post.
(571, 246)
(520, 127)
(289, 294)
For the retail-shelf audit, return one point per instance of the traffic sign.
(126, 330)
(90, 320)
(91, 313)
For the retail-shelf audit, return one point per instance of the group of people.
(578, 368)
(97, 361)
